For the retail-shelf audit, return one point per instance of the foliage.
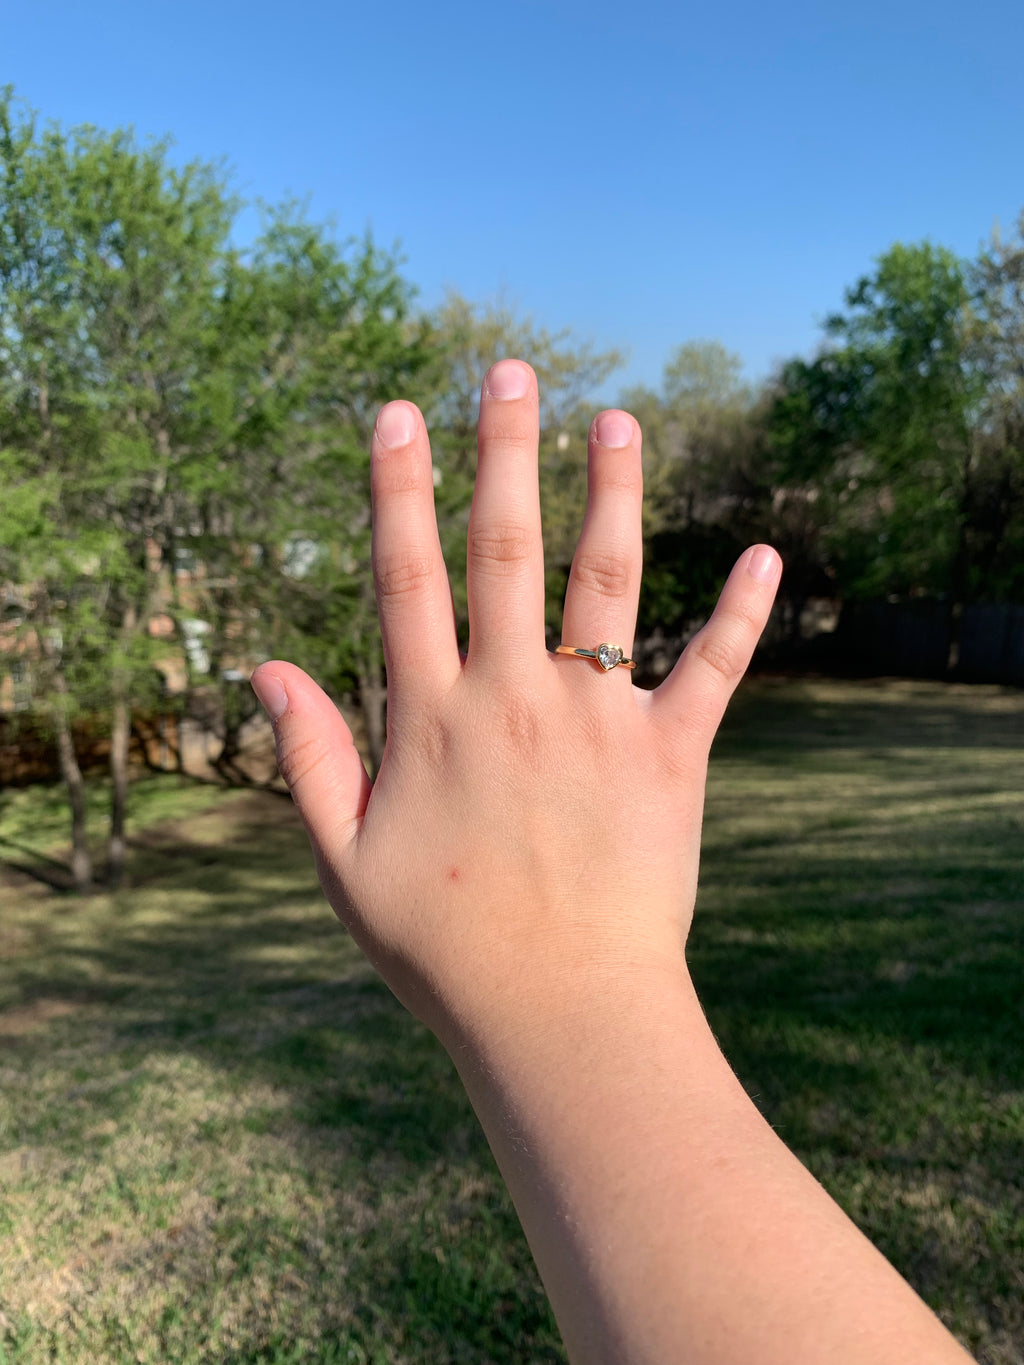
(179, 422)
(699, 430)
(328, 335)
(184, 431)
(997, 354)
(885, 431)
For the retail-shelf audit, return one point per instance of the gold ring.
(608, 656)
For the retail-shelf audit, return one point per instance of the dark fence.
(924, 638)
(992, 643)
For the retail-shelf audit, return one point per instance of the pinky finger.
(692, 699)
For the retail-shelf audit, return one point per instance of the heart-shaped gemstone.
(608, 656)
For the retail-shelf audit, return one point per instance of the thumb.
(315, 754)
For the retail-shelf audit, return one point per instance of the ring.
(608, 656)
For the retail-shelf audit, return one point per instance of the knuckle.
(427, 738)
(502, 548)
(617, 476)
(399, 575)
(595, 728)
(504, 436)
(302, 759)
(402, 477)
(605, 574)
(719, 653)
(515, 719)
(748, 615)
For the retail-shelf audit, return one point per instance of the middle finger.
(505, 555)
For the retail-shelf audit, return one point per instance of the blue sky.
(645, 173)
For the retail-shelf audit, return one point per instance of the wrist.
(560, 1004)
(584, 1053)
(587, 1102)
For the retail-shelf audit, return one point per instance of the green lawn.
(222, 1141)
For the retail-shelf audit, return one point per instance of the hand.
(535, 826)
(523, 874)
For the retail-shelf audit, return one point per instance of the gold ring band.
(608, 656)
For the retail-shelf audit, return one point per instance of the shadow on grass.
(862, 973)
(219, 947)
(222, 951)
(51, 872)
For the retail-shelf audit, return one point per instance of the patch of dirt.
(247, 810)
(30, 1018)
(14, 1165)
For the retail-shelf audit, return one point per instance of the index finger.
(413, 597)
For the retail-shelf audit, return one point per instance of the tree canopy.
(184, 433)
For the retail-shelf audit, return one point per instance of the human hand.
(523, 875)
(533, 833)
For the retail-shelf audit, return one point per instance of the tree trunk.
(236, 709)
(796, 603)
(176, 723)
(959, 584)
(81, 863)
(373, 697)
(120, 734)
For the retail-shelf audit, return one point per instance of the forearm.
(668, 1220)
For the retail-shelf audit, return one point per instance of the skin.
(523, 874)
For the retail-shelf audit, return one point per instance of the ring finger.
(604, 583)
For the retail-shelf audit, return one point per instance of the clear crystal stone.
(608, 656)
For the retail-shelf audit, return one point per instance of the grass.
(222, 1141)
(34, 821)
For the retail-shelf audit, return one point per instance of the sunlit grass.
(859, 948)
(221, 1140)
(35, 824)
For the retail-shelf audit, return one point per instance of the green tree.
(168, 404)
(881, 430)
(699, 442)
(151, 245)
(900, 443)
(345, 340)
(61, 556)
(996, 350)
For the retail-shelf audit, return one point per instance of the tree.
(699, 440)
(881, 428)
(50, 428)
(166, 401)
(996, 350)
(151, 242)
(344, 339)
(905, 341)
(112, 274)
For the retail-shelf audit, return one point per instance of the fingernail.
(396, 425)
(763, 564)
(272, 697)
(507, 379)
(614, 429)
